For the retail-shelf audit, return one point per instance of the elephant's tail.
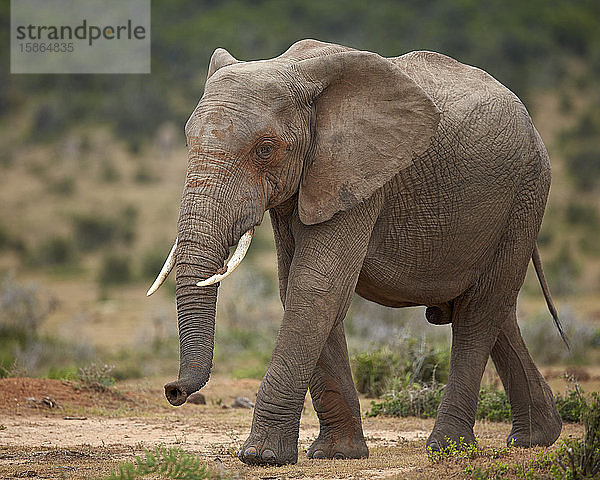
(537, 263)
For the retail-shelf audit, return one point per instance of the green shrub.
(49, 120)
(63, 373)
(96, 377)
(415, 400)
(461, 450)
(4, 237)
(379, 370)
(580, 458)
(23, 308)
(412, 401)
(572, 405)
(171, 463)
(493, 405)
(372, 371)
(584, 166)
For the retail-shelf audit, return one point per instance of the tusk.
(234, 261)
(164, 272)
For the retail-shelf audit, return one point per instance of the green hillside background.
(92, 166)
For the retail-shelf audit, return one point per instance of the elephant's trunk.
(201, 251)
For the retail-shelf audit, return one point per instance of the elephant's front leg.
(336, 403)
(322, 277)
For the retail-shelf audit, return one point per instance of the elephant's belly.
(404, 268)
(400, 288)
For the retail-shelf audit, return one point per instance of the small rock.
(48, 402)
(242, 402)
(197, 398)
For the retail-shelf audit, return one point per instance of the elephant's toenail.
(339, 456)
(251, 452)
(318, 454)
(434, 446)
(268, 455)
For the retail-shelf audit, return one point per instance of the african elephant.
(413, 180)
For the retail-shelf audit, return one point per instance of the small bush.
(415, 400)
(96, 377)
(453, 451)
(172, 463)
(584, 166)
(64, 373)
(580, 458)
(493, 405)
(22, 349)
(572, 404)
(23, 308)
(372, 371)
(412, 362)
(412, 401)
(4, 237)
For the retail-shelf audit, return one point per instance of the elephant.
(414, 180)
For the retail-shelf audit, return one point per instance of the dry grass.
(42, 441)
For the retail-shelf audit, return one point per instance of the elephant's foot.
(445, 433)
(338, 444)
(535, 430)
(272, 448)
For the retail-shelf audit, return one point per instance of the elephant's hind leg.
(536, 420)
(474, 331)
(336, 403)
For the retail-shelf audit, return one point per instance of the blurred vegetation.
(423, 399)
(100, 166)
(525, 44)
(410, 362)
(23, 350)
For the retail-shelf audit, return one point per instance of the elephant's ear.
(308, 48)
(371, 119)
(220, 58)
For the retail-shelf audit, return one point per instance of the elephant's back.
(481, 119)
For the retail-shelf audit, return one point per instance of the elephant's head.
(322, 123)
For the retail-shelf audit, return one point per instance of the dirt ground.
(52, 429)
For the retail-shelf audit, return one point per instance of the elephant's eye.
(264, 150)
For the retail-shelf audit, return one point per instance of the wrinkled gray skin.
(413, 180)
